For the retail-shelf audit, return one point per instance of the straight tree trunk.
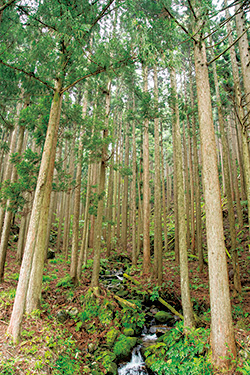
(101, 188)
(182, 227)
(196, 180)
(124, 227)
(157, 191)
(146, 194)
(231, 217)
(222, 334)
(133, 190)
(38, 219)
(9, 213)
(77, 197)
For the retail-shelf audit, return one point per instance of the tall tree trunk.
(146, 188)
(101, 188)
(157, 191)
(124, 227)
(222, 335)
(133, 190)
(164, 207)
(9, 165)
(196, 179)
(68, 202)
(77, 197)
(182, 227)
(38, 221)
(62, 203)
(231, 217)
(9, 213)
(84, 245)
(234, 174)
(244, 122)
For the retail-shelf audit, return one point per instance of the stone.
(111, 369)
(163, 317)
(73, 312)
(112, 336)
(128, 332)
(61, 316)
(123, 346)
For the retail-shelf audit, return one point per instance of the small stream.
(136, 366)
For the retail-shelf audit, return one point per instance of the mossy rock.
(163, 317)
(122, 293)
(128, 332)
(112, 336)
(112, 369)
(123, 346)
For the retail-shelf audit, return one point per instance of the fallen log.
(125, 302)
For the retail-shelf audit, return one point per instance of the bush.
(179, 353)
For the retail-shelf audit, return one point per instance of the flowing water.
(137, 365)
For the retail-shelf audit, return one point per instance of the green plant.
(8, 367)
(65, 282)
(179, 353)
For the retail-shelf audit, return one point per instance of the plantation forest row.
(124, 132)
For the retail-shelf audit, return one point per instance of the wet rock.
(129, 332)
(123, 346)
(61, 316)
(122, 293)
(111, 369)
(111, 337)
(159, 329)
(163, 317)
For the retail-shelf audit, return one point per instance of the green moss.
(163, 316)
(124, 345)
(112, 336)
(129, 332)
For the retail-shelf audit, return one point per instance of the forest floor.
(47, 345)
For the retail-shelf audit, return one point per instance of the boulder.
(111, 337)
(123, 346)
(128, 332)
(163, 317)
(61, 316)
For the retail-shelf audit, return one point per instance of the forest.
(124, 187)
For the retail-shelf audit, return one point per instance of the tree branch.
(98, 17)
(98, 71)
(6, 5)
(179, 24)
(231, 45)
(30, 74)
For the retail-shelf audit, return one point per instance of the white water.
(136, 366)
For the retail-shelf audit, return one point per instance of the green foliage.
(179, 353)
(66, 363)
(7, 367)
(92, 309)
(65, 282)
(132, 318)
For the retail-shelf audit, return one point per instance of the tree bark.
(222, 335)
(38, 218)
(146, 188)
(101, 189)
(182, 227)
(157, 191)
